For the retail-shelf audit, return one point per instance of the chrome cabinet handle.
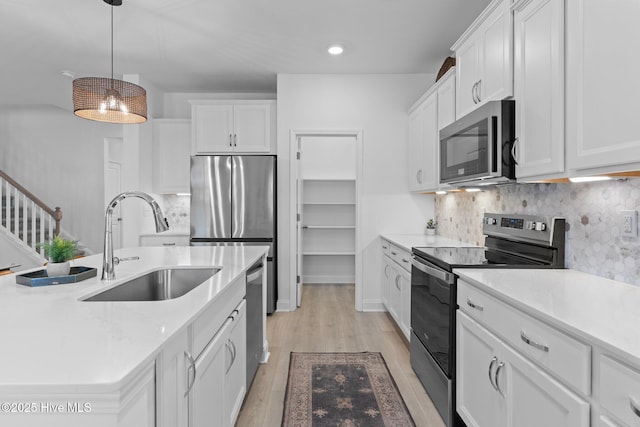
(397, 284)
(192, 365)
(235, 140)
(478, 89)
(230, 140)
(514, 152)
(393, 253)
(533, 344)
(474, 93)
(405, 260)
(419, 176)
(634, 406)
(385, 247)
(169, 244)
(232, 316)
(228, 347)
(386, 271)
(474, 305)
(493, 362)
(500, 366)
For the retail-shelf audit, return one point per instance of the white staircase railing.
(25, 217)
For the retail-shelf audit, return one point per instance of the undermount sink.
(158, 285)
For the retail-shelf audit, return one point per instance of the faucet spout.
(108, 260)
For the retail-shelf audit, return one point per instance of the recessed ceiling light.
(335, 49)
(68, 74)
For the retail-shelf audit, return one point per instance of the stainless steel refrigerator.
(233, 202)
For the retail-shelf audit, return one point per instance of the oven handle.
(433, 271)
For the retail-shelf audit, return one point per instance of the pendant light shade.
(109, 100)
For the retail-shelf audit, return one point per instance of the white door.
(299, 229)
(113, 187)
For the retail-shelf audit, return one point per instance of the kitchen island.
(65, 359)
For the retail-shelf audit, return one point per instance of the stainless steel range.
(512, 241)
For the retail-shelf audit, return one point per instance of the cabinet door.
(171, 383)
(405, 296)
(212, 128)
(495, 79)
(477, 399)
(385, 281)
(466, 76)
(252, 128)
(171, 156)
(208, 390)
(539, 87)
(416, 133)
(602, 103)
(535, 399)
(236, 364)
(430, 139)
(446, 101)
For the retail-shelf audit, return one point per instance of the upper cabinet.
(603, 87)
(233, 126)
(484, 60)
(171, 155)
(538, 32)
(433, 111)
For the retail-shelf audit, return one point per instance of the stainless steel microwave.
(477, 148)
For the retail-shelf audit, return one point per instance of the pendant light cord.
(111, 41)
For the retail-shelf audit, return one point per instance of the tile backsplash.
(594, 241)
(176, 208)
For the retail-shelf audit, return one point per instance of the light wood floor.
(327, 321)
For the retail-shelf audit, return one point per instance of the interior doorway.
(326, 190)
(113, 185)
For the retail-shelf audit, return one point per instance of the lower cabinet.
(396, 285)
(207, 388)
(499, 387)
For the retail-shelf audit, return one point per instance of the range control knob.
(530, 225)
(490, 221)
(541, 226)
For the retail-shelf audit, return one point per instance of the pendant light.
(109, 100)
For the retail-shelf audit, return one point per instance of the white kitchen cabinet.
(619, 391)
(172, 404)
(484, 63)
(236, 366)
(603, 88)
(232, 126)
(396, 285)
(539, 87)
(499, 387)
(171, 156)
(432, 112)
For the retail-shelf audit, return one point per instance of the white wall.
(377, 105)
(177, 106)
(59, 157)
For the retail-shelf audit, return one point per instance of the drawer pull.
(500, 366)
(634, 406)
(533, 344)
(385, 247)
(393, 253)
(405, 260)
(474, 305)
(493, 362)
(168, 244)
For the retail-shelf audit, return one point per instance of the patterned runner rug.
(342, 390)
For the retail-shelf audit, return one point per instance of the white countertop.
(407, 241)
(587, 306)
(58, 343)
(170, 232)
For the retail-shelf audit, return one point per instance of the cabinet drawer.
(620, 391)
(567, 358)
(386, 247)
(212, 319)
(160, 240)
(402, 257)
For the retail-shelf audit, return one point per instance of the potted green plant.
(59, 251)
(430, 228)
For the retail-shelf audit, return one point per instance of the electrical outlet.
(629, 223)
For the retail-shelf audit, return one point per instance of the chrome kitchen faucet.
(109, 261)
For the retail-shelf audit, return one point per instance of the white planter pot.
(55, 269)
(430, 231)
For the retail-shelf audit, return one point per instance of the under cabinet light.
(589, 178)
(441, 192)
(472, 190)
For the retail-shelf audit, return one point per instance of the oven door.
(433, 304)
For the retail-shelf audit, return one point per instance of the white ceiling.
(218, 45)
